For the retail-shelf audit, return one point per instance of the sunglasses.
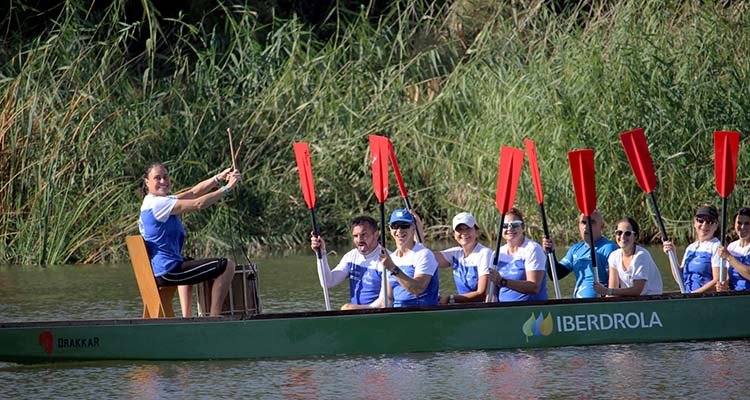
(512, 224)
(702, 220)
(624, 233)
(400, 225)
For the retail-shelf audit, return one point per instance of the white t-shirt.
(530, 253)
(480, 257)
(420, 257)
(642, 267)
(468, 269)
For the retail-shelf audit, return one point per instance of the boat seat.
(157, 301)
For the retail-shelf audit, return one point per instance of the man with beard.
(360, 264)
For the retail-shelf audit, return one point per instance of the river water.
(663, 370)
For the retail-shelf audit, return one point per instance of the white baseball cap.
(464, 218)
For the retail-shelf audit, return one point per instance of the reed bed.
(81, 115)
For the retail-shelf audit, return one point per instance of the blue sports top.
(419, 261)
(364, 276)
(468, 269)
(742, 254)
(528, 257)
(163, 233)
(697, 263)
(578, 260)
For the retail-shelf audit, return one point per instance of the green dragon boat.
(673, 317)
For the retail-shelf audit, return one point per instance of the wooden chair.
(157, 301)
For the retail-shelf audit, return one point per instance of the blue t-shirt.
(578, 260)
(163, 233)
(742, 254)
(528, 257)
(468, 269)
(418, 261)
(365, 277)
(697, 263)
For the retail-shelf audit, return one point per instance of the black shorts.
(190, 272)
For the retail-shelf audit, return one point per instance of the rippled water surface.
(663, 370)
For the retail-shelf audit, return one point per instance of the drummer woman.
(164, 234)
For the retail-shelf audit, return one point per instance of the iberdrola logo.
(537, 326)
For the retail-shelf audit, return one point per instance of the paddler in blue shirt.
(701, 261)
(412, 268)
(578, 257)
(737, 254)
(360, 265)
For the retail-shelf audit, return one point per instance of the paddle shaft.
(319, 254)
(495, 259)
(723, 226)
(672, 257)
(384, 280)
(315, 231)
(592, 247)
(550, 252)
(231, 148)
(407, 204)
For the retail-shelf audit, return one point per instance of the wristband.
(503, 282)
(224, 190)
(396, 271)
(610, 291)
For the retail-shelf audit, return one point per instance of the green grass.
(81, 117)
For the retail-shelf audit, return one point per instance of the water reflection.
(659, 370)
(299, 384)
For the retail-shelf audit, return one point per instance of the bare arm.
(415, 285)
(204, 187)
(531, 285)
(442, 262)
(741, 268)
(710, 286)
(635, 290)
(477, 295)
(419, 232)
(185, 205)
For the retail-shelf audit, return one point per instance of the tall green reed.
(81, 116)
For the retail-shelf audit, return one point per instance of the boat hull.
(481, 326)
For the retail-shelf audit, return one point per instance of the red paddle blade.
(396, 171)
(636, 148)
(726, 144)
(536, 178)
(508, 172)
(379, 163)
(302, 154)
(584, 183)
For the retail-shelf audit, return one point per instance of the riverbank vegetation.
(88, 101)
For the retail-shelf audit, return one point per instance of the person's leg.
(190, 272)
(220, 288)
(185, 293)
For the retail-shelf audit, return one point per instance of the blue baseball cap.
(401, 216)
